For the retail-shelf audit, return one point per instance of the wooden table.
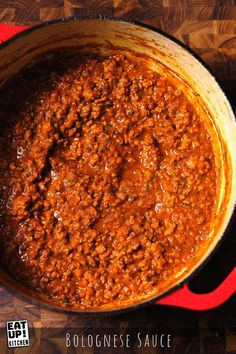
(209, 27)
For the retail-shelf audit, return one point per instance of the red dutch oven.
(19, 49)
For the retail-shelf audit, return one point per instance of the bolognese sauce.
(107, 180)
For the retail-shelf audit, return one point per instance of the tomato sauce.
(107, 180)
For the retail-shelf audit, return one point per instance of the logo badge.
(17, 334)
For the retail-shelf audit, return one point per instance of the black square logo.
(17, 334)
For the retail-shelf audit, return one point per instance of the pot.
(107, 36)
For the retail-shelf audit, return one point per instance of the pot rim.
(143, 303)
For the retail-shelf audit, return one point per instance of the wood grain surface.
(209, 27)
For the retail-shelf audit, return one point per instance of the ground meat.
(107, 180)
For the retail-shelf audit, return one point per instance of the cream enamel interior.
(108, 36)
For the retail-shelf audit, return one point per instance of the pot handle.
(185, 298)
(7, 31)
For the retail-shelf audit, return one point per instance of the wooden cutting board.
(207, 26)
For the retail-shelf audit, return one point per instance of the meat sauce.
(107, 180)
